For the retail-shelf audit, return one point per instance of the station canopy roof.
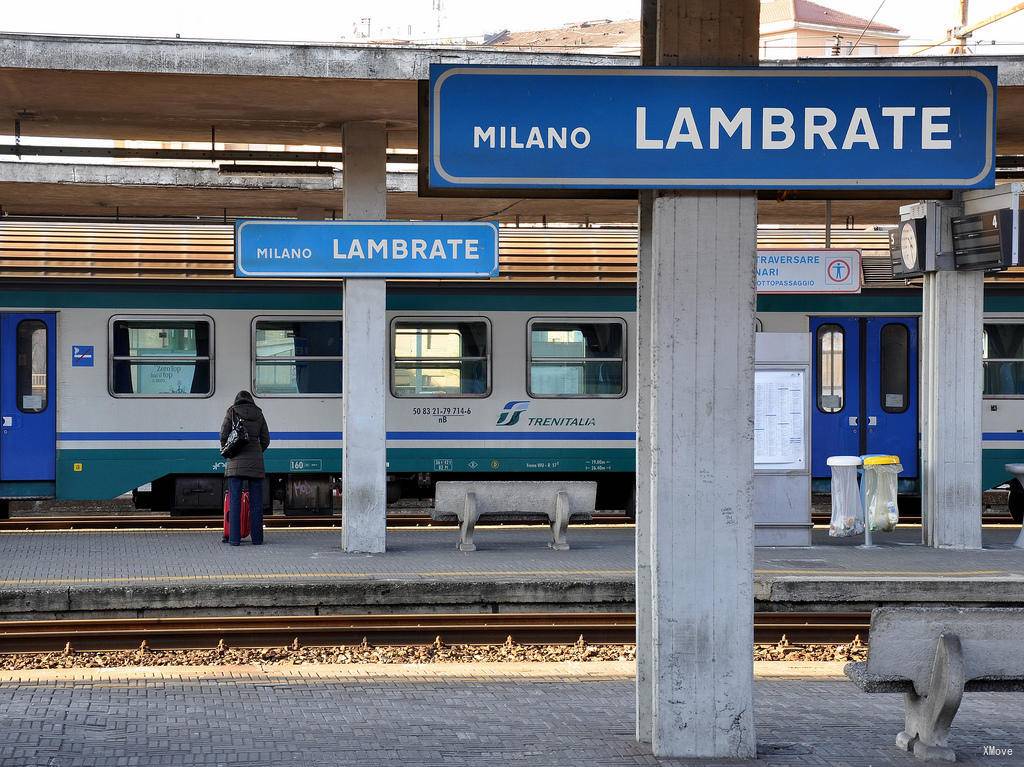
(531, 254)
(301, 94)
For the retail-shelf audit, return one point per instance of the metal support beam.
(364, 377)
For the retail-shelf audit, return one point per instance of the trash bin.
(847, 516)
(881, 479)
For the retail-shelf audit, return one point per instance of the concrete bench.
(558, 502)
(936, 654)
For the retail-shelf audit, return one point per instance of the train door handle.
(872, 420)
(853, 420)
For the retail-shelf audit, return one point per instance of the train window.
(439, 358)
(577, 359)
(30, 345)
(295, 358)
(1003, 359)
(161, 357)
(831, 368)
(895, 368)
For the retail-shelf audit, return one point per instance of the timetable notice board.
(780, 434)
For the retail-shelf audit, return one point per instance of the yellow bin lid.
(881, 460)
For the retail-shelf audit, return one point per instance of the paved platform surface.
(124, 573)
(542, 715)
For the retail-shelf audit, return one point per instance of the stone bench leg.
(560, 522)
(467, 521)
(928, 717)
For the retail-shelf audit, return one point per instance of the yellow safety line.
(869, 573)
(290, 529)
(477, 573)
(276, 576)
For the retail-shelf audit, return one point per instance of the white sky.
(317, 20)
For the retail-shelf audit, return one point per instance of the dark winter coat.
(249, 462)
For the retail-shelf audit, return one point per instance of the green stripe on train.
(262, 298)
(503, 298)
(85, 474)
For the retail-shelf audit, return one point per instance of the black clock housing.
(900, 268)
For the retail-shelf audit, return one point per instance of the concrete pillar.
(642, 491)
(364, 377)
(700, 389)
(951, 397)
(642, 505)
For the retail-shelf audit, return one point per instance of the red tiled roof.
(806, 12)
(626, 34)
(595, 34)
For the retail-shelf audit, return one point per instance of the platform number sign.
(82, 356)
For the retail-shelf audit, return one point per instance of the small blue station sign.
(352, 249)
(690, 128)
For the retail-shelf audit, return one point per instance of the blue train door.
(836, 419)
(865, 390)
(28, 401)
(890, 377)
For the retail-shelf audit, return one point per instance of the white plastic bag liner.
(880, 496)
(847, 515)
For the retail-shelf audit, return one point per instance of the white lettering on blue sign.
(778, 131)
(382, 249)
(637, 127)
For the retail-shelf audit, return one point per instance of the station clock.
(907, 248)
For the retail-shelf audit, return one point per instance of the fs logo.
(509, 415)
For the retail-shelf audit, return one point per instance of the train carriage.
(120, 346)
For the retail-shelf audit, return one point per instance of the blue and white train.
(112, 385)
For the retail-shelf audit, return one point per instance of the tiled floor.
(540, 715)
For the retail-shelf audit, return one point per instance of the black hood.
(242, 397)
(245, 406)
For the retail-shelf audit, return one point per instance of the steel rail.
(37, 636)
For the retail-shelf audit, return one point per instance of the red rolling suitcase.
(244, 514)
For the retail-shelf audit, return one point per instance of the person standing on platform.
(246, 465)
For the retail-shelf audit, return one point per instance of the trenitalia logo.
(509, 415)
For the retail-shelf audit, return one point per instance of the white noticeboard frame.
(782, 439)
(780, 419)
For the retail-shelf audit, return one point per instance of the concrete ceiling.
(176, 90)
(62, 189)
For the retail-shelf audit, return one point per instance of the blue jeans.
(235, 509)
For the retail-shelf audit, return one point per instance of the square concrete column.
(702, 470)
(951, 397)
(364, 345)
(698, 289)
(642, 492)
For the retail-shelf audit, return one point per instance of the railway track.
(281, 631)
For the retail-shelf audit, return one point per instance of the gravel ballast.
(438, 652)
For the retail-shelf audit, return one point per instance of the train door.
(28, 402)
(865, 386)
(890, 390)
(836, 422)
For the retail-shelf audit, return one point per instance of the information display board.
(780, 439)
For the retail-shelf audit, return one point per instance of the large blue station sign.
(685, 128)
(382, 249)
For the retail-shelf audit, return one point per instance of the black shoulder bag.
(238, 437)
